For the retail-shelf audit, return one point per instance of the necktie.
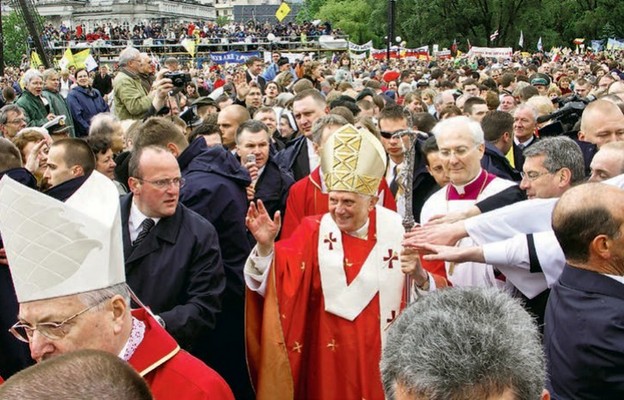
(146, 226)
(394, 184)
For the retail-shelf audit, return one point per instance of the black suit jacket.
(518, 156)
(261, 81)
(294, 158)
(584, 336)
(177, 271)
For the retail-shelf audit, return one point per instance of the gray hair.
(4, 112)
(98, 296)
(30, 75)
(104, 124)
(525, 106)
(559, 152)
(451, 124)
(325, 121)
(128, 54)
(49, 73)
(464, 343)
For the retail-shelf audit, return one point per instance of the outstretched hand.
(444, 234)
(262, 227)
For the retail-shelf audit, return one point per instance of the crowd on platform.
(279, 218)
(171, 33)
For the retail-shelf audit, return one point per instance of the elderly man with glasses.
(461, 146)
(66, 262)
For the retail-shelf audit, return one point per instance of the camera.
(179, 79)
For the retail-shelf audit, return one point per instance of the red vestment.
(170, 372)
(305, 198)
(298, 350)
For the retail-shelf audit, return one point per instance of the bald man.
(608, 162)
(587, 299)
(602, 122)
(229, 119)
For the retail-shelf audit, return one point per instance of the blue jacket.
(215, 189)
(84, 104)
(177, 271)
(584, 336)
(495, 162)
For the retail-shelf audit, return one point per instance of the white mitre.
(58, 249)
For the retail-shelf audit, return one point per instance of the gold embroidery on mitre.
(353, 161)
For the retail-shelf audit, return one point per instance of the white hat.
(58, 249)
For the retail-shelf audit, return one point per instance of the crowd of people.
(326, 228)
(162, 32)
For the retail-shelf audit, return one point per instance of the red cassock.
(305, 198)
(298, 350)
(170, 372)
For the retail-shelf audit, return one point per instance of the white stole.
(381, 271)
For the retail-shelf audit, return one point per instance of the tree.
(352, 16)
(15, 39)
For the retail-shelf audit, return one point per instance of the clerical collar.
(136, 337)
(361, 233)
(469, 191)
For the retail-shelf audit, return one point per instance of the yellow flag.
(81, 57)
(35, 61)
(67, 60)
(282, 11)
(190, 46)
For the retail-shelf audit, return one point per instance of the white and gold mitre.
(353, 160)
(58, 249)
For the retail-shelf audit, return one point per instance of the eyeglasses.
(165, 183)
(51, 330)
(17, 121)
(532, 175)
(459, 152)
(395, 134)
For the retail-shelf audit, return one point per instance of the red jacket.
(173, 373)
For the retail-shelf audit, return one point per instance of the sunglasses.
(397, 134)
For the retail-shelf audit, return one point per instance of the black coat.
(177, 271)
(14, 355)
(584, 336)
(294, 158)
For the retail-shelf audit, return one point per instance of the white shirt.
(313, 158)
(502, 233)
(135, 219)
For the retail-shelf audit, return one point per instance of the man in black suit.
(584, 334)
(255, 66)
(524, 127)
(172, 256)
(299, 157)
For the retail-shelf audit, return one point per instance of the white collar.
(461, 189)
(136, 217)
(525, 144)
(616, 277)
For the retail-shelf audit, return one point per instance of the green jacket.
(58, 106)
(34, 109)
(131, 100)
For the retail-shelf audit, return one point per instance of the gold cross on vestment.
(297, 347)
